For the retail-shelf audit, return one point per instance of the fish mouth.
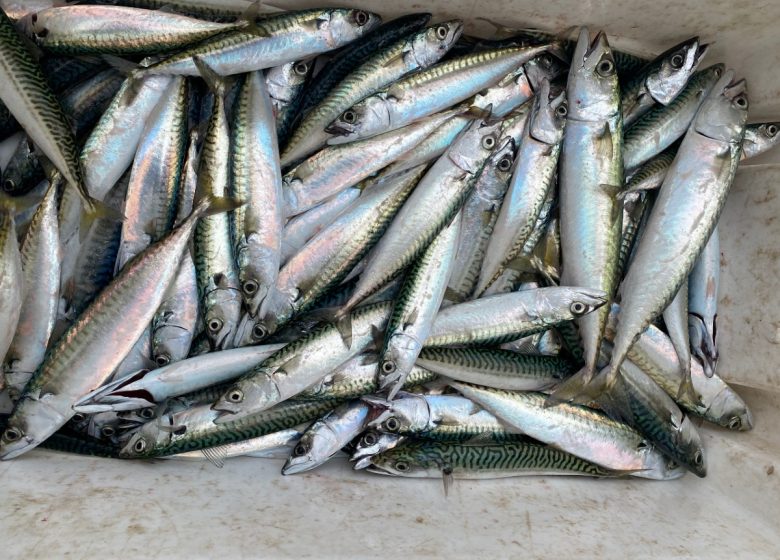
(701, 50)
(337, 128)
(599, 42)
(377, 470)
(362, 462)
(297, 468)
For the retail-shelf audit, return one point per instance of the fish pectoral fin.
(396, 92)
(378, 339)
(411, 319)
(393, 59)
(604, 146)
(453, 295)
(216, 455)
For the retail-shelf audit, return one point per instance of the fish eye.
(107, 431)
(42, 33)
(300, 450)
(9, 185)
(180, 431)
(259, 331)
(441, 32)
(735, 423)
(489, 142)
(12, 434)
(392, 424)
(235, 396)
(349, 117)
(698, 459)
(677, 60)
(369, 439)
(562, 110)
(718, 72)
(545, 61)
(301, 68)
(401, 466)
(250, 287)
(78, 417)
(606, 67)
(578, 308)
(139, 446)
(771, 130)
(505, 163)
(34, 18)
(642, 446)
(215, 325)
(146, 413)
(388, 366)
(741, 101)
(361, 17)
(162, 360)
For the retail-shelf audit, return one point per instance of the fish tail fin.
(584, 387)
(215, 82)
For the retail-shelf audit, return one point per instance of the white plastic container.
(56, 505)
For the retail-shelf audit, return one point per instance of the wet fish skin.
(358, 51)
(662, 126)
(759, 138)
(408, 54)
(11, 279)
(285, 86)
(278, 39)
(119, 30)
(427, 92)
(533, 176)
(276, 445)
(684, 214)
(505, 317)
(256, 177)
(591, 175)
(40, 259)
(480, 461)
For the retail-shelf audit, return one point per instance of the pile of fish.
(232, 230)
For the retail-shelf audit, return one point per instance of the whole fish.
(276, 445)
(334, 168)
(328, 257)
(501, 369)
(357, 377)
(661, 80)
(23, 171)
(357, 52)
(435, 200)
(194, 428)
(273, 41)
(113, 321)
(663, 125)
(427, 92)
(40, 259)
(703, 285)
(33, 104)
(532, 180)
(716, 402)
(11, 277)
(591, 175)
(504, 317)
(151, 198)
(285, 86)
(303, 227)
(177, 320)
(326, 436)
(145, 388)
(685, 213)
(300, 365)
(257, 178)
(481, 461)
(416, 307)
(408, 54)
(478, 218)
(118, 30)
(583, 432)
(218, 284)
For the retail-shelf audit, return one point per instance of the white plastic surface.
(58, 505)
